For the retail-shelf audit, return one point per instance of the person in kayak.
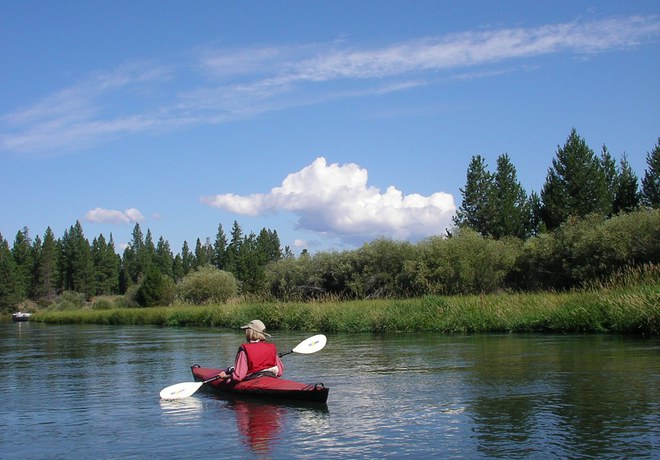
(256, 357)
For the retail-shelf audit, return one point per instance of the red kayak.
(272, 387)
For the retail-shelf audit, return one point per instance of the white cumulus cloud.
(111, 216)
(336, 200)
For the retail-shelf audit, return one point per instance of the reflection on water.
(564, 394)
(505, 395)
(263, 424)
(259, 424)
(92, 392)
(185, 411)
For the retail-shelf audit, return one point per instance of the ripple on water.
(92, 392)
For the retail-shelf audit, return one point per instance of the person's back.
(261, 357)
(257, 357)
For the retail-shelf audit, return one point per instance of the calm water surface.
(92, 392)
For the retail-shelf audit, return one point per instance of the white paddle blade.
(180, 390)
(311, 345)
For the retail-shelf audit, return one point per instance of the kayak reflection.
(260, 423)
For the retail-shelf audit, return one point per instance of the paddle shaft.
(217, 377)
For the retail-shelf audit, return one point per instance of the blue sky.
(331, 122)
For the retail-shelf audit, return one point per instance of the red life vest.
(260, 356)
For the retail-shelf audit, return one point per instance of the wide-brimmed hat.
(257, 326)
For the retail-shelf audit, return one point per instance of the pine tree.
(250, 263)
(219, 248)
(474, 211)
(112, 258)
(37, 247)
(75, 264)
(534, 205)
(155, 289)
(268, 244)
(576, 184)
(106, 266)
(127, 267)
(24, 258)
(177, 268)
(651, 180)
(163, 258)
(233, 249)
(611, 177)
(136, 255)
(48, 266)
(9, 297)
(149, 249)
(508, 202)
(45, 266)
(627, 196)
(187, 259)
(203, 253)
(200, 254)
(124, 278)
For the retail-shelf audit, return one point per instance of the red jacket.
(260, 356)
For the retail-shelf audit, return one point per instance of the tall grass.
(627, 303)
(613, 311)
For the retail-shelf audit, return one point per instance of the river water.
(91, 392)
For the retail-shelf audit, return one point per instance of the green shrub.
(207, 285)
(130, 296)
(120, 302)
(376, 267)
(467, 263)
(70, 300)
(155, 289)
(589, 250)
(290, 279)
(103, 303)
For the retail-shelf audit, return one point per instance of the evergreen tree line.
(590, 220)
(578, 183)
(42, 269)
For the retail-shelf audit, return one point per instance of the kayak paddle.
(185, 389)
(308, 346)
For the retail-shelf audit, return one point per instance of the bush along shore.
(623, 309)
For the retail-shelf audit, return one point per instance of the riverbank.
(634, 310)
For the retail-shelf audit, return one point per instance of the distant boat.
(21, 316)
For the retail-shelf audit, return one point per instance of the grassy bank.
(618, 310)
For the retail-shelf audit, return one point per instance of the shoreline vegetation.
(621, 309)
(565, 260)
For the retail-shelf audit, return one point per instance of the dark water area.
(92, 392)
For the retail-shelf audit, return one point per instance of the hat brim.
(260, 332)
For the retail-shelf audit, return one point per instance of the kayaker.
(256, 357)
